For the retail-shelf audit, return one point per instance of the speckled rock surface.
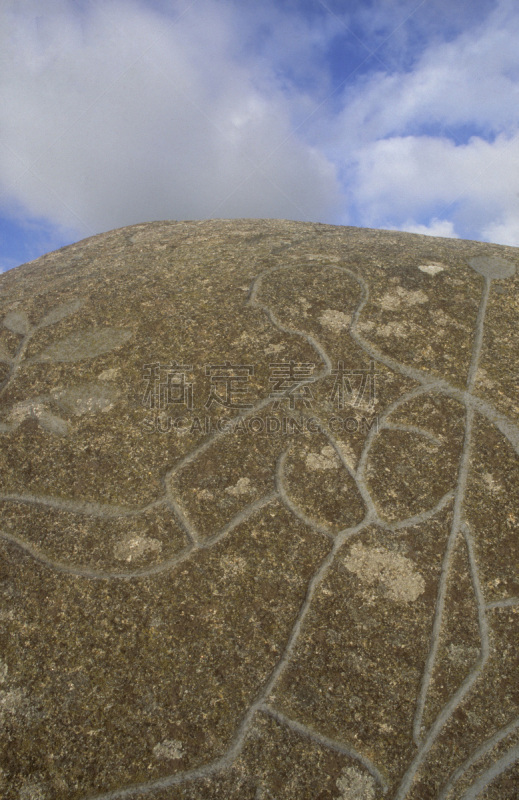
(259, 516)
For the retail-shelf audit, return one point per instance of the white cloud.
(436, 227)
(475, 182)
(439, 141)
(120, 114)
(505, 232)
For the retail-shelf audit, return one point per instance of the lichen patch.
(11, 702)
(109, 374)
(431, 269)
(395, 328)
(326, 459)
(396, 575)
(355, 785)
(392, 301)
(204, 494)
(492, 484)
(244, 338)
(32, 790)
(233, 565)
(243, 486)
(132, 548)
(322, 257)
(170, 749)
(335, 320)
(348, 454)
(27, 408)
(275, 348)
(366, 325)
(483, 379)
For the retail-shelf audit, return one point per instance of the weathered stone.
(259, 534)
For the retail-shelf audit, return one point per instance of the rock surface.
(259, 516)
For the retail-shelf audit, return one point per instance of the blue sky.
(379, 113)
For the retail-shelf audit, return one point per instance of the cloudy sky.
(380, 113)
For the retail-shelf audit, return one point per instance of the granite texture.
(259, 498)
